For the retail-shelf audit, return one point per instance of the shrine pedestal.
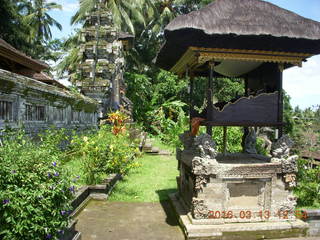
(236, 196)
(202, 229)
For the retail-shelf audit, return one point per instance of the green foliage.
(13, 28)
(226, 89)
(308, 187)
(169, 121)
(139, 91)
(259, 147)
(155, 100)
(167, 87)
(234, 139)
(27, 26)
(287, 114)
(35, 190)
(101, 153)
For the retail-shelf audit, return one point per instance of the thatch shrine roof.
(239, 24)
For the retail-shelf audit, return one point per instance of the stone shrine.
(238, 195)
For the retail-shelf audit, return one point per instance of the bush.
(34, 190)
(169, 121)
(308, 187)
(234, 139)
(103, 153)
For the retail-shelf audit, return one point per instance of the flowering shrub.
(34, 190)
(118, 120)
(103, 152)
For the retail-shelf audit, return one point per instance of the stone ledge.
(82, 198)
(96, 192)
(313, 219)
(236, 231)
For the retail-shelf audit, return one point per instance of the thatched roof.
(249, 17)
(239, 24)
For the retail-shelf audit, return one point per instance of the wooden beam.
(241, 124)
(197, 56)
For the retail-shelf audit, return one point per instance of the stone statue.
(280, 152)
(281, 148)
(205, 146)
(250, 142)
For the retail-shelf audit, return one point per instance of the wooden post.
(245, 129)
(191, 97)
(225, 135)
(280, 100)
(190, 90)
(209, 97)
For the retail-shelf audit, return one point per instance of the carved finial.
(206, 146)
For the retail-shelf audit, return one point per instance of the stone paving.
(102, 220)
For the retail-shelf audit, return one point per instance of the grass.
(152, 182)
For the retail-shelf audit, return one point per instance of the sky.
(302, 84)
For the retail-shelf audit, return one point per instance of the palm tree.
(126, 13)
(13, 28)
(41, 21)
(70, 61)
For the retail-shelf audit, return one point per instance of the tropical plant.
(13, 27)
(308, 187)
(35, 191)
(125, 13)
(70, 58)
(41, 21)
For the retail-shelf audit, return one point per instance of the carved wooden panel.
(261, 109)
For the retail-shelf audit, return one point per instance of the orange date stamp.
(263, 214)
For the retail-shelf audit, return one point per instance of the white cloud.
(303, 84)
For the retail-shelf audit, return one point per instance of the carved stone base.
(234, 231)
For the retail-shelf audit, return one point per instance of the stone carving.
(250, 142)
(199, 209)
(281, 154)
(264, 134)
(290, 179)
(281, 148)
(205, 146)
(201, 181)
(252, 171)
(289, 205)
(204, 166)
(289, 165)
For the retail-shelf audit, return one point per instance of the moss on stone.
(7, 86)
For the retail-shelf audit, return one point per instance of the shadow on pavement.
(171, 217)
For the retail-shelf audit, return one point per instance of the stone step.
(147, 147)
(153, 150)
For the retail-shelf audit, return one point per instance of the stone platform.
(235, 231)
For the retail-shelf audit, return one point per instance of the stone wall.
(36, 106)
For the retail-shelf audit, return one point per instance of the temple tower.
(102, 64)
